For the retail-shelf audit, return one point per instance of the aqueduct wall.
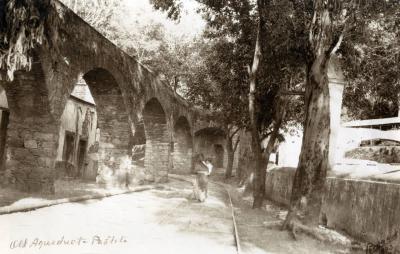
(134, 109)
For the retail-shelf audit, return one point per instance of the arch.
(183, 147)
(211, 143)
(219, 156)
(157, 149)
(114, 144)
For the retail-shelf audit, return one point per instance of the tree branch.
(311, 34)
(234, 133)
(337, 46)
(236, 144)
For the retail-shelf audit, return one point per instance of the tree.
(327, 24)
(259, 53)
(217, 81)
(373, 51)
(21, 29)
(100, 14)
(217, 88)
(23, 26)
(266, 74)
(235, 25)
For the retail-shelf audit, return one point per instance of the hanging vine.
(21, 28)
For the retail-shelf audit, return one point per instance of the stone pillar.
(115, 155)
(336, 88)
(32, 135)
(116, 137)
(31, 153)
(157, 142)
(183, 148)
(182, 157)
(157, 151)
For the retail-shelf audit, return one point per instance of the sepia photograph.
(199, 126)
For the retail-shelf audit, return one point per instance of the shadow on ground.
(63, 189)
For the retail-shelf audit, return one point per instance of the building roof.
(82, 92)
(373, 122)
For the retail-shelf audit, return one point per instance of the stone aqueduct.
(129, 99)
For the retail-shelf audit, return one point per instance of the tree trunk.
(259, 179)
(231, 148)
(309, 181)
(259, 176)
(230, 152)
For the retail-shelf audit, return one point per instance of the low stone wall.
(278, 187)
(367, 210)
(381, 154)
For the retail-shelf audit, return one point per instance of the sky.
(190, 24)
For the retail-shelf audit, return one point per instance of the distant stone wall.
(366, 210)
(205, 144)
(381, 154)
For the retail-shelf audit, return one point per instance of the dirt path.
(157, 221)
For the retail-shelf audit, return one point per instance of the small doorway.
(81, 156)
(219, 156)
(68, 151)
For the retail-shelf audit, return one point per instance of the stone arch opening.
(77, 152)
(139, 145)
(219, 155)
(138, 154)
(157, 149)
(210, 142)
(109, 143)
(183, 147)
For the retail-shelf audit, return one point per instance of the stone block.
(15, 142)
(45, 162)
(44, 136)
(21, 154)
(31, 144)
(49, 152)
(50, 145)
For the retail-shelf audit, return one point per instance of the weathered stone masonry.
(130, 101)
(157, 152)
(113, 121)
(32, 133)
(183, 147)
(121, 87)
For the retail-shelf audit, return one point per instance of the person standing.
(200, 185)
